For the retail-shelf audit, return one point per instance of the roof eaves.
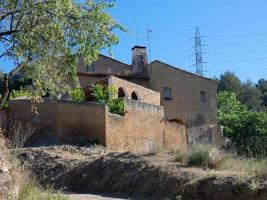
(182, 70)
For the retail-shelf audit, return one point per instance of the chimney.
(139, 59)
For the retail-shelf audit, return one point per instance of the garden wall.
(141, 129)
(62, 120)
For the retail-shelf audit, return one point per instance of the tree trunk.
(5, 91)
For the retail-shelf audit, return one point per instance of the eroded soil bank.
(80, 169)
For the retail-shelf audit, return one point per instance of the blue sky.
(234, 34)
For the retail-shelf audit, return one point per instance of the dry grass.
(212, 157)
(33, 191)
(18, 133)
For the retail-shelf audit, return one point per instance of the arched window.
(121, 93)
(134, 96)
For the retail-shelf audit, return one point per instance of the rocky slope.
(7, 180)
(76, 169)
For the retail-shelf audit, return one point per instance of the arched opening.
(121, 93)
(134, 96)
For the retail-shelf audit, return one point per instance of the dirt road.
(105, 196)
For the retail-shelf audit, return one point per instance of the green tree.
(262, 86)
(246, 129)
(44, 40)
(230, 82)
(250, 95)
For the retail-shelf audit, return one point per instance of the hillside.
(80, 169)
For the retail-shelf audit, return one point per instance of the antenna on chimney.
(149, 31)
(136, 30)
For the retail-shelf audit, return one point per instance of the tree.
(250, 95)
(229, 82)
(262, 86)
(246, 129)
(44, 40)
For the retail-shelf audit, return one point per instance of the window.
(90, 68)
(167, 93)
(203, 96)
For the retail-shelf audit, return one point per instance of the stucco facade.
(128, 88)
(186, 101)
(186, 97)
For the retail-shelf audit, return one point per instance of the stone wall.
(143, 129)
(63, 120)
(143, 94)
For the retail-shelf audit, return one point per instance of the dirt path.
(102, 196)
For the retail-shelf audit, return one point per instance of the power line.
(239, 51)
(238, 60)
(237, 43)
(172, 46)
(235, 35)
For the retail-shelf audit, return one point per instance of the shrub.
(23, 92)
(108, 95)
(99, 92)
(77, 95)
(198, 156)
(116, 106)
(246, 129)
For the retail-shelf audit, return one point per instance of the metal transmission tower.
(198, 53)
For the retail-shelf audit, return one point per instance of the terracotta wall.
(143, 94)
(69, 121)
(143, 129)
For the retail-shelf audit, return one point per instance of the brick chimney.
(139, 59)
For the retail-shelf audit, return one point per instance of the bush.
(204, 156)
(116, 106)
(23, 92)
(108, 95)
(246, 129)
(77, 95)
(100, 93)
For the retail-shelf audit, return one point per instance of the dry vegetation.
(211, 156)
(17, 183)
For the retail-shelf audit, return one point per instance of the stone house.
(164, 107)
(187, 98)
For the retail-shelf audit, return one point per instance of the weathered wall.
(105, 65)
(185, 100)
(143, 94)
(69, 121)
(174, 137)
(143, 129)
